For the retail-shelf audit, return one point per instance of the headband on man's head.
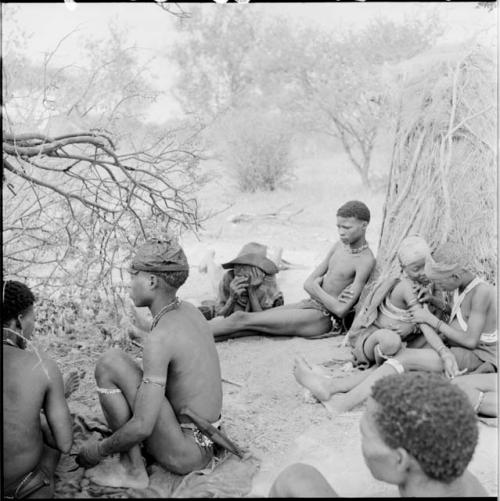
(435, 271)
(158, 256)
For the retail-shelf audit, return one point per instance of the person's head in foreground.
(419, 432)
(159, 267)
(412, 254)
(18, 314)
(447, 268)
(352, 219)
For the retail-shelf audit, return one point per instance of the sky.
(152, 29)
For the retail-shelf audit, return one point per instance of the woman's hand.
(421, 315)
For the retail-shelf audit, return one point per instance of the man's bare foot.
(114, 473)
(335, 405)
(71, 383)
(316, 383)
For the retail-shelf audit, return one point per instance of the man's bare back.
(31, 384)
(193, 378)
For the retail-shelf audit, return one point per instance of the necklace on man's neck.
(169, 307)
(7, 338)
(358, 250)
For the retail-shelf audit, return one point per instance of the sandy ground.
(265, 409)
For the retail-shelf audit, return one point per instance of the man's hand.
(238, 287)
(450, 365)
(346, 295)
(89, 455)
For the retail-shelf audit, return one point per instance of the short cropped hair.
(450, 254)
(16, 299)
(430, 418)
(356, 209)
(174, 278)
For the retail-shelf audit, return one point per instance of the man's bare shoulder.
(34, 365)
(484, 294)
(367, 259)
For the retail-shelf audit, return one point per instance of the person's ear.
(19, 325)
(153, 281)
(402, 460)
(364, 225)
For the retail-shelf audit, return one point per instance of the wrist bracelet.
(441, 349)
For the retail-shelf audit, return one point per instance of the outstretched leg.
(407, 359)
(280, 321)
(323, 387)
(482, 392)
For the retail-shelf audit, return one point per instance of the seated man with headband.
(418, 432)
(180, 378)
(471, 334)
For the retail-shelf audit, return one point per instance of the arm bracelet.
(441, 349)
(154, 380)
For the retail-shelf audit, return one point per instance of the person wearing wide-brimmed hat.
(249, 284)
(334, 288)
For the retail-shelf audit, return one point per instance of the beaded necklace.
(169, 307)
(356, 251)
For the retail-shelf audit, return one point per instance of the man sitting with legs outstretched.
(334, 288)
(180, 378)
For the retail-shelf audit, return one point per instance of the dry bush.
(256, 149)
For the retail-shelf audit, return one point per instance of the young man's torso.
(342, 268)
(193, 378)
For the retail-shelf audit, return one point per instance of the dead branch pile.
(443, 181)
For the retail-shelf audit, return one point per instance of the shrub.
(256, 148)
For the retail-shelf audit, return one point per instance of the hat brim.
(262, 262)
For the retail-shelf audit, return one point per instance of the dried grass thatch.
(443, 176)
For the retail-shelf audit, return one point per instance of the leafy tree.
(330, 82)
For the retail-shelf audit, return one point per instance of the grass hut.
(443, 173)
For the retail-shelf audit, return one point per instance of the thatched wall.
(443, 173)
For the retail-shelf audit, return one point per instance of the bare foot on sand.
(316, 383)
(335, 405)
(117, 474)
(71, 383)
